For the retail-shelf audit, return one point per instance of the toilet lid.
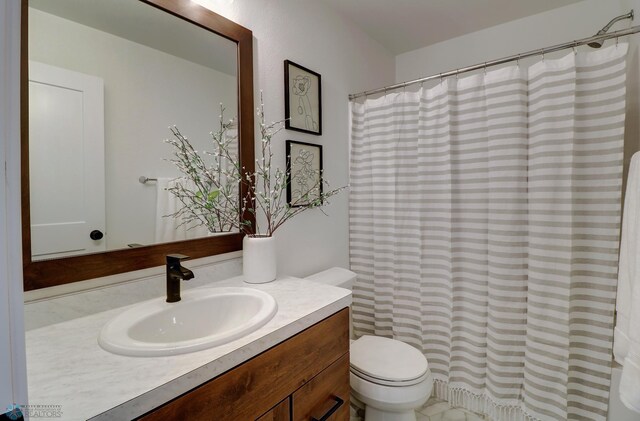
(387, 359)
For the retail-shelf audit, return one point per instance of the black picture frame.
(298, 162)
(302, 99)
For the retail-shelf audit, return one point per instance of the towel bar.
(144, 179)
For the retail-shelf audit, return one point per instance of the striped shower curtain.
(484, 226)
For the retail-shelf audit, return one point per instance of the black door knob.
(96, 235)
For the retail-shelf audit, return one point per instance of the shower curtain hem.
(480, 404)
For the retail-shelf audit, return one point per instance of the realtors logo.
(14, 412)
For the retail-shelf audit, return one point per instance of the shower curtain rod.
(516, 57)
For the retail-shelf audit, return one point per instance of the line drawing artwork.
(305, 177)
(302, 99)
(301, 88)
(304, 173)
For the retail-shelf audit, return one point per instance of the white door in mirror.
(66, 155)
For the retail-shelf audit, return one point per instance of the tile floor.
(436, 410)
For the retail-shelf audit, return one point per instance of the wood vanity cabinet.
(305, 377)
(281, 412)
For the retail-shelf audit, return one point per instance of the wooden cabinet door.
(281, 412)
(249, 390)
(326, 396)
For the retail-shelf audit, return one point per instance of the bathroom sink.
(204, 318)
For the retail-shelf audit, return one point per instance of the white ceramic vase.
(258, 259)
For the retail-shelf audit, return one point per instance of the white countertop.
(67, 367)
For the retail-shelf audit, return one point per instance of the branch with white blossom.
(210, 192)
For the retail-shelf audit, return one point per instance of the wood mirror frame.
(47, 273)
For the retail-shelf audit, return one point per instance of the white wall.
(146, 90)
(578, 20)
(13, 387)
(308, 33)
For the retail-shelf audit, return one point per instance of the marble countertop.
(67, 368)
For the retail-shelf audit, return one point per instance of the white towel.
(626, 346)
(167, 227)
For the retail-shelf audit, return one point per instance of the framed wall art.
(302, 99)
(304, 173)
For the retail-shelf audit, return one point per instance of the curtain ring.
(542, 51)
(457, 73)
(485, 68)
(518, 61)
(617, 39)
(575, 47)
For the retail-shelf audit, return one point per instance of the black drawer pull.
(331, 410)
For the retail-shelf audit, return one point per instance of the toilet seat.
(387, 362)
(384, 382)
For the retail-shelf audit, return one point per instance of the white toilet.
(390, 378)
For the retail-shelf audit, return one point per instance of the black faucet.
(176, 273)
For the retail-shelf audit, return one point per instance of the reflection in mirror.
(106, 79)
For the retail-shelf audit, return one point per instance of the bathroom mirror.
(101, 83)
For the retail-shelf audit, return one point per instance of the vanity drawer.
(251, 389)
(282, 412)
(326, 396)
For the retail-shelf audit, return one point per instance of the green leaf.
(213, 195)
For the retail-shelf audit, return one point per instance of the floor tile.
(422, 417)
(432, 401)
(454, 415)
(435, 408)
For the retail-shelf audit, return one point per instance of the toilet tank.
(339, 277)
